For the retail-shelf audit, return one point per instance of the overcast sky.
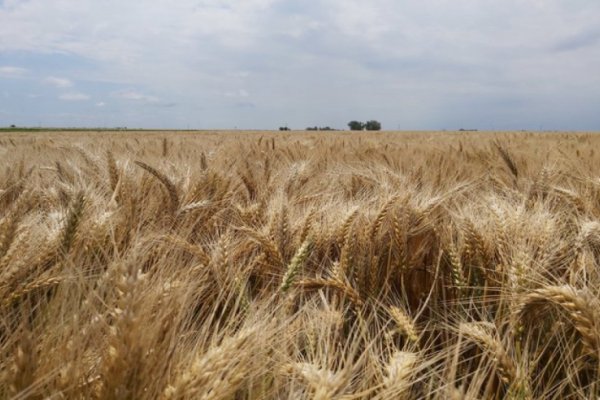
(420, 64)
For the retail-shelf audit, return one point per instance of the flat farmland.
(299, 265)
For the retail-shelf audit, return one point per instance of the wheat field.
(296, 265)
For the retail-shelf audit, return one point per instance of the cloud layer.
(431, 64)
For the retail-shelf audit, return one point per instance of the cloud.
(136, 96)
(74, 96)
(58, 82)
(244, 104)
(237, 93)
(100, 104)
(240, 74)
(12, 72)
(426, 64)
(578, 41)
(167, 105)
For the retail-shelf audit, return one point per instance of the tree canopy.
(371, 125)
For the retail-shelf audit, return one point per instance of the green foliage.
(356, 126)
(373, 125)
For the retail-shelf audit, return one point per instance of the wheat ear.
(404, 323)
(398, 371)
(294, 266)
(166, 182)
(579, 306)
(505, 366)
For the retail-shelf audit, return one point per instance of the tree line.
(371, 125)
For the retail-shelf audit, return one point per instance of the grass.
(262, 265)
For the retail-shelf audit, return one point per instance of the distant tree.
(13, 126)
(320, 128)
(356, 125)
(373, 125)
(284, 128)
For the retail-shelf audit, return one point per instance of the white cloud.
(100, 104)
(12, 72)
(238, 93)
(58, 82)
(240, 74)
(74, 96)
(136, 96)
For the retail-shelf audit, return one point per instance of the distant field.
(299, 265)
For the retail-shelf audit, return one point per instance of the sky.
(262, 64)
